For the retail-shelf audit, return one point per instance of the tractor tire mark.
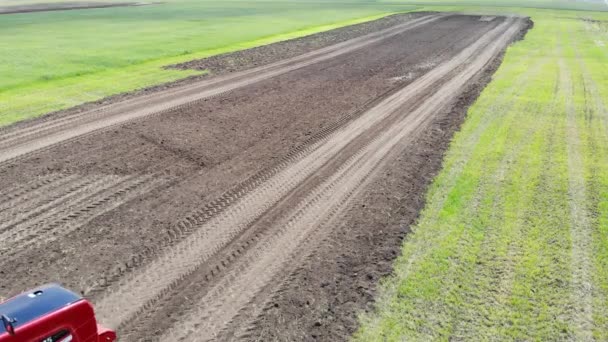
(260, 264)
(72, 193)
(31, 191)
(97, 202)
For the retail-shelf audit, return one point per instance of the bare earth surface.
(259, 204)
(64, 6)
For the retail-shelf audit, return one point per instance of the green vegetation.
(513, 241)
(55, 60)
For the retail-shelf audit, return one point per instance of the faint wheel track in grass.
(494, 272)
(598, 187)
(596, 105)
(463, 326)
(581, 229)
(514, 249)
(503, 103)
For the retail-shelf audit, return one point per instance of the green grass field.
(513, 241)
(55, 60)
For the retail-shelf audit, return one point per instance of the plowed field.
(194, 213)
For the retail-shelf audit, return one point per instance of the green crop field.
(55, 60)
(513, 241)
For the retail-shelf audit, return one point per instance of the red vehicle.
(50, 314)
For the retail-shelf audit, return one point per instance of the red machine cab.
(50, 314)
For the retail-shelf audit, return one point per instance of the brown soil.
(64, 6)
(151, 217)
(245, 59)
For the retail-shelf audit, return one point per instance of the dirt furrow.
(29, 139)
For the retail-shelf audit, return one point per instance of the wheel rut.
(58, 204)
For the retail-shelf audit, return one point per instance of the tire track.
(581, 229)
(130, 296)
(62, 221)
(262, 263)
(51, 132)
(72, 193)
(79, 201)
(30, 192)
